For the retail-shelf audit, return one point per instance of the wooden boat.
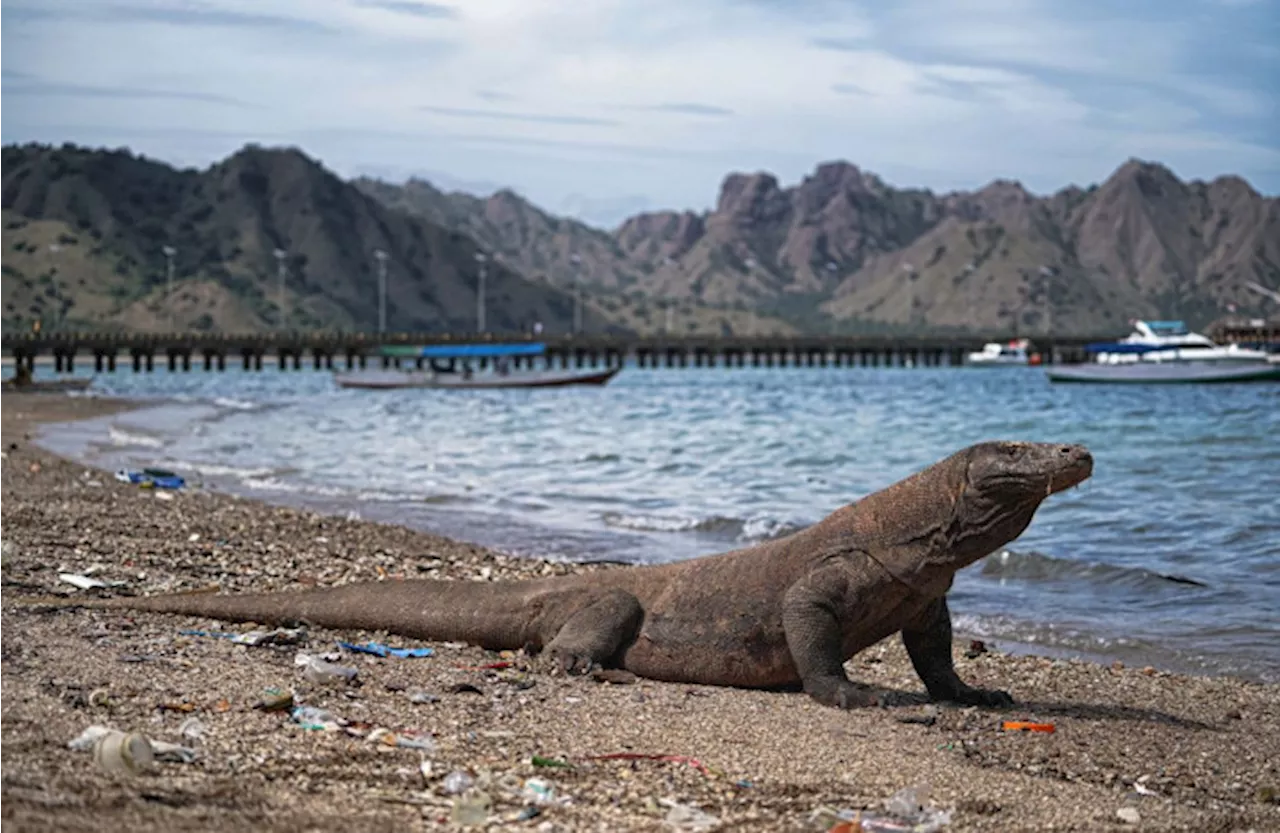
(17, 385)
(392, 379)
(445, 372)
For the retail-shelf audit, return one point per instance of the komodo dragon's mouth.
(1077, 468)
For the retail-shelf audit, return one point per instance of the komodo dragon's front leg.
(928, 642)
(811, 621)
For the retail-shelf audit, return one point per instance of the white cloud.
(941, 94)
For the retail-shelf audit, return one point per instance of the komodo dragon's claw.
(573, 664)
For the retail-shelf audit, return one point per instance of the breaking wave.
(1034, 566)
(751, 529)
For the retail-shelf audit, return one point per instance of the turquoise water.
(1170, 554)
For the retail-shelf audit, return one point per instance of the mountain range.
(840, 251)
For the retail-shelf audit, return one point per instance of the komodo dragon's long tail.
(494, 616)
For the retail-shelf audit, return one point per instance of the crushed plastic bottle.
(538, 791)
(685, 817)
(165, 751)
(192, 730)
(84, 741)
(124, 753)
(457, 781)
(906, 806)
(321, 672)
(407, 739)
(310, 717)
(471, 809)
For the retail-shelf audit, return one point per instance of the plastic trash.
(87, 582)
(538, 791)
(191, 729)
(380, 650)
(471, 809)
(538, 760)
(457, 782)
(321, 672)
(277, 636)
(310, 717)
(275, 699)
(685, 817)
(127, 753)
(407, 739)
(906, 806)
(152, 478)
(164, 751)
(84, 741)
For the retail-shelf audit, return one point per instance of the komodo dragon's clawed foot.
(843, 694)
(573, 664)
(593, 634)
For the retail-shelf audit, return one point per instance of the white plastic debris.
(84, 741)
(685, 817)
(83, 582)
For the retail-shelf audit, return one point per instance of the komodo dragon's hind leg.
(928, 643)
(596, 632)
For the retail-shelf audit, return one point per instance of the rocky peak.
(506, 206)
(755, 196)
(830, 181)
(1150, 179)
(660, 234)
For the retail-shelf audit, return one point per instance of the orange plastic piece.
(1025, 726)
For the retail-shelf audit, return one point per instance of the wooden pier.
(144, 352)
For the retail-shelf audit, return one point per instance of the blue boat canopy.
(468, 351)
(1121, 347)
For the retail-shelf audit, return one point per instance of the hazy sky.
(603, 107)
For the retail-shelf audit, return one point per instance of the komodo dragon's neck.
(926, 527)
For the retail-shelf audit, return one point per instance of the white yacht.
(995, 354)
(1166, 351)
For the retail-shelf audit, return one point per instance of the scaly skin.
(785, 612)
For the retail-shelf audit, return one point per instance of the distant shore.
(1181, 752)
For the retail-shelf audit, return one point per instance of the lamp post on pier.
(482, 260)
(382, 257)
(169, 253)
(576, 260)
(282, 270)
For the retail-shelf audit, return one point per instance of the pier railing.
(326, 350)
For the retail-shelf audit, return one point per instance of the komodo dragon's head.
(1019, 473)
(1003, 484)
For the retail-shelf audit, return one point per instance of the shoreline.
(1205, 746)
(461, 527)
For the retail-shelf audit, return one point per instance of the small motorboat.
(995, 354)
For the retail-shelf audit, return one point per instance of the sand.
(1133, 748)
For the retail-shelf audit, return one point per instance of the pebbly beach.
(1130, 747)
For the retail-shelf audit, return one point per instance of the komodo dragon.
(781, 613)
